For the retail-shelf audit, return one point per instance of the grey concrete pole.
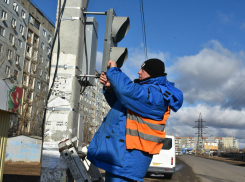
(62, 115)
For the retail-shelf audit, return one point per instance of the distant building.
(222, 143)
(178, 146)
(188, 142)
(230, 143)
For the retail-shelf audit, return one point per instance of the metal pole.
(62, 116)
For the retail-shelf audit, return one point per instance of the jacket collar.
(161, 80)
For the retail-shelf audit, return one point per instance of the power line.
(231, 104)
(229, 96)
(143, 27)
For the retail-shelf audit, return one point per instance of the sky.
(202, 46)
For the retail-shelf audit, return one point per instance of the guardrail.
(236, 156)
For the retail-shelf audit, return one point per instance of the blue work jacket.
(107, 149)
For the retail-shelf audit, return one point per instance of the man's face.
(143, 74)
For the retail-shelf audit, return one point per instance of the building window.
(21, 29)
(44, 33)
(31, 20)
(17, 60)
(29, 36)
(13, 23)
(46, 76)
(15, 7)
(2, 31)
(42, 46)
(33, 68)
(1, 48)
(41, 59)
(23, 14)
(38, 85)
(40, 72)
(4, 15)
(16, 74)
(28, 49)
(48, 50)
(20, 43)
(34, 54)
(49, 39)
(26, 65)
(37, 24)
(9, 54)
(35, 39)
(11, 38)
(29, 96)
(6, 1)
(24, 81)
(7, 71)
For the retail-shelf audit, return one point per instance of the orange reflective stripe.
(134, 142)
(133, 125)
(163, 121)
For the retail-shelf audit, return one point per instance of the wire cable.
(60, 13)
(86, 56)
(229, 96)
(143, 27)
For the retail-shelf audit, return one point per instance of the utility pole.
(62, 112)
(240, 142)
(200, 127)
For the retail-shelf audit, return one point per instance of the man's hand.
(111, 64)
(104, 81)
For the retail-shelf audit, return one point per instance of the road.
(183, 173)
(214, 171)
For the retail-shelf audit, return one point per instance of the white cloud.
(225, 18)
(242, 26)
(209, 76)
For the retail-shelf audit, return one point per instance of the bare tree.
(30, 104)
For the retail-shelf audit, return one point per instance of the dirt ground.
(31, 173)
(21, 172)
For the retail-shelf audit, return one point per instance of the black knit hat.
(154, 67)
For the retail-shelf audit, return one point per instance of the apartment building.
(188, 142)
(223, 143)
(25, 44)
(230, 143)
(178, 146)
(94, 107)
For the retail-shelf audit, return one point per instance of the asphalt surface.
(215, 171)
(183, 173)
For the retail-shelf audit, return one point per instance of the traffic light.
(116, 29)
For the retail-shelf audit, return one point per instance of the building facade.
(25, 44)
(222, 143)
(178, 146)
(94, 107)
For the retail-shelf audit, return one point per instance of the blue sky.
(202, 45)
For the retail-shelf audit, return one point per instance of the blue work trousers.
(109, 177)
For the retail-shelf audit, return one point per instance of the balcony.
(34, 56)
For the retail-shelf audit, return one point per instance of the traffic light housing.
(116, 29)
